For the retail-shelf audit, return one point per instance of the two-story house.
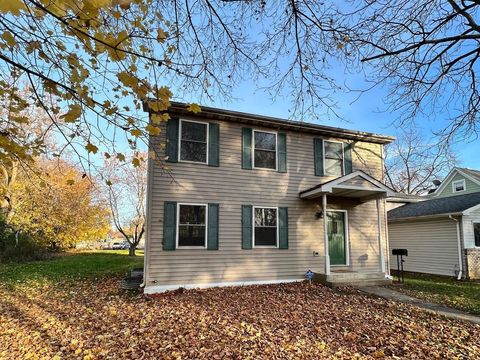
(249, 199)
(441, 231)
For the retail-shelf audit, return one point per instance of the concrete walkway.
(390, 294)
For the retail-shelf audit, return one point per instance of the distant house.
(442, 231)
(248, 199)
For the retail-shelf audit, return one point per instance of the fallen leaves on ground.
(95, 320)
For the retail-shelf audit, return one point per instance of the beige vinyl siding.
(431, 244)
(231, 187)
(470, 186)
(467, 226)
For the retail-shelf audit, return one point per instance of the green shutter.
(282, 152)
(171, 148)
(283, 228)
(169, 225)
(212, 233)
(347, 152)
(318, 155)
(213, 144)
(247, 226)
(246, 148)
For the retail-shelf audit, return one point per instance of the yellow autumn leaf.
(12, 6)
(194, 108)
(136, 162)
(161, 35)
(91, 148)
(136, 132)
(127, 79)
(152, 130)
(158, 118)
(9, 39)
(74, 112)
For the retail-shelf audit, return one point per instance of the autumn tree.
(412, 163)
(61, 208)
(126, 185)
(104, 58)
(25, 134)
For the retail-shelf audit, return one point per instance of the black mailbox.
(401, 252)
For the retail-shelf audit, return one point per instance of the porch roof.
(354, 185)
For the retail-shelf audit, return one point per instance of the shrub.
(19, 248)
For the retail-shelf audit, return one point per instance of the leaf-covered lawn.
(71, 266)
(88, 317)
(463, 295)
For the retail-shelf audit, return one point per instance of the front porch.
(357, 188)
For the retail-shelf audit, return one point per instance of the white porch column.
(325, 234)
(380, 242)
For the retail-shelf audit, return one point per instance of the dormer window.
(458, 186)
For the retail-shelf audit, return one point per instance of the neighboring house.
(441, 231)
(459, 181)
(249, 199)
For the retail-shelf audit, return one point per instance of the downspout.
(459, 243)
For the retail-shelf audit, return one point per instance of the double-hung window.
(458, 185)
(476, 233)
(265, 223)
(333, 158)
(265, 150)
(192, 229)
(193, 141)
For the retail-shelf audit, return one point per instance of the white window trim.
(347, 238)
(180, 141)
(456, 182)
(473, 230)
(253, 229)
(343, 156)
(178, 226)
(276, 149)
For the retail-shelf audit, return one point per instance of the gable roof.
(180, 109)
(471, 174)
(341, 187)
(436, 206)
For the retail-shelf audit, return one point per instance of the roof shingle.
(436, 206)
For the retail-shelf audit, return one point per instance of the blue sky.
(368, 113)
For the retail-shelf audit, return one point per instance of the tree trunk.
(131, 250)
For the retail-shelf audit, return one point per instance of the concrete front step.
(351, 279)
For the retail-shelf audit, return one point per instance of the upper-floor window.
(476, 232)
(191, 227)
(265, 223)
(458, 185)
(333, 157)
(265, 150)
(193, 141)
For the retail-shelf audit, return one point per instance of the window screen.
(193, 141)
(265, 227)
(265, 150)
(191, 225)
(476, 231)
(333, 158)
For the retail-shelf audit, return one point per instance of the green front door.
(336, 237)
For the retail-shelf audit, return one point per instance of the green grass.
(463, 295)
(71, 266)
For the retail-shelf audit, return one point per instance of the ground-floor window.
(476, 232)
(265, 222)
(192, 229)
